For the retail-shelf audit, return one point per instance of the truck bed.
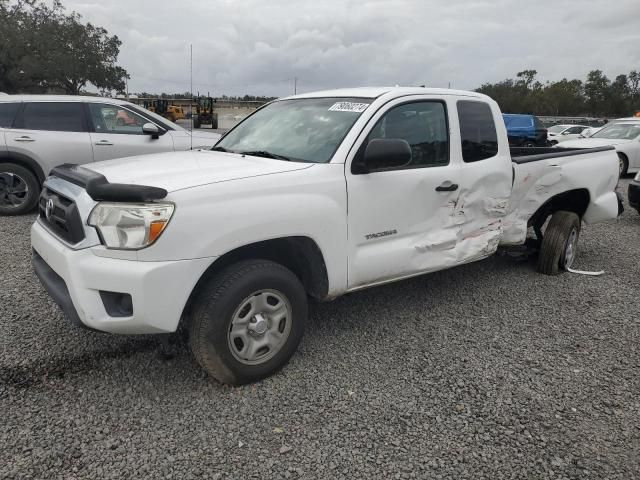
(540, 174)
(521, 155)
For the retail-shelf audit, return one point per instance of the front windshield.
(306, 129)
(556, 128)
(619, 131)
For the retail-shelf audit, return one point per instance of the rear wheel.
(248, 321)
(560, 243)
(529, 144)
(19, 189)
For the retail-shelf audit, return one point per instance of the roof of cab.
(60, 98)
(375, 92)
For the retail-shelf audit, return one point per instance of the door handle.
(447, 187)
(24, 138)
(104, 143)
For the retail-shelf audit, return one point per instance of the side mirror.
(565, 133)
(385, 154)
(151, 129)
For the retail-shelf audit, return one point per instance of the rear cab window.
(52, 116)
(8, 114)
(478, 133)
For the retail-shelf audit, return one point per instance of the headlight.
(130, 226)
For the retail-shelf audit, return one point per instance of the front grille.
(62, 218)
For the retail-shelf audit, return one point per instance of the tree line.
(187, 95)
(597, 96)
(45, 49)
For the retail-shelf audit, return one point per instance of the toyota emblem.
(48, 209)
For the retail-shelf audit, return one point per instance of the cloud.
(258, 47)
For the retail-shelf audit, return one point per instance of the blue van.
(525, 130)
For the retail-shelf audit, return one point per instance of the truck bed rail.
(533, 154)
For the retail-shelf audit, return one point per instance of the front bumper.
(75, 278)
(634, 194)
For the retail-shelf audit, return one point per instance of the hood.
(177, 170)
(593, 142)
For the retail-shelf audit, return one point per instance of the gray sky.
(259, 46)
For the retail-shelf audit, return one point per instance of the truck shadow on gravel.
(327, 321)
(25, 376)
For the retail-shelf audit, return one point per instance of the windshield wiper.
(265, 154)
(219, 149)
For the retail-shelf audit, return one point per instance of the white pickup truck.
(314, 195)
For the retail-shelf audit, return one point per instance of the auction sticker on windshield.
(348, 107)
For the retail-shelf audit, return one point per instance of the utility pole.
(295, 85)
(191, 94)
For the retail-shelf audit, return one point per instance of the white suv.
(38, 133)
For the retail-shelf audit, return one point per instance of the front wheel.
(559, 243)
(248, 321)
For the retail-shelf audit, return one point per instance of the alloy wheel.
(13, 190)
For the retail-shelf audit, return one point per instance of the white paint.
(371, 229)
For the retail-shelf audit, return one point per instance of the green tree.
(48, 49)
(619, 96)
(596, 90)
(563, 98)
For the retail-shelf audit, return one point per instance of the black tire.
(13, 203)
(213, 312)
(551, 258)
(529, 144)
(624, 164)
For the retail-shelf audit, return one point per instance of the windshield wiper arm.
(265, 154)
(219, 149)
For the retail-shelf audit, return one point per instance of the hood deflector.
(99, 188)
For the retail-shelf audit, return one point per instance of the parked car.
(525, 130)
(314, 195)
(561, 133)
(39, 132)
(623, 135)
(589, 131)
(634, 193)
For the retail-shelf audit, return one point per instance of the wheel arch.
(625, 158)
(300, 254)
(24, 161)
(576, 201)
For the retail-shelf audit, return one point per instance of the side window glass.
(53, 116)
(477, 131)
(114, 119)
(7, 114)
(423, 125)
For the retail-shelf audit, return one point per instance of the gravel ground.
(489, 370)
